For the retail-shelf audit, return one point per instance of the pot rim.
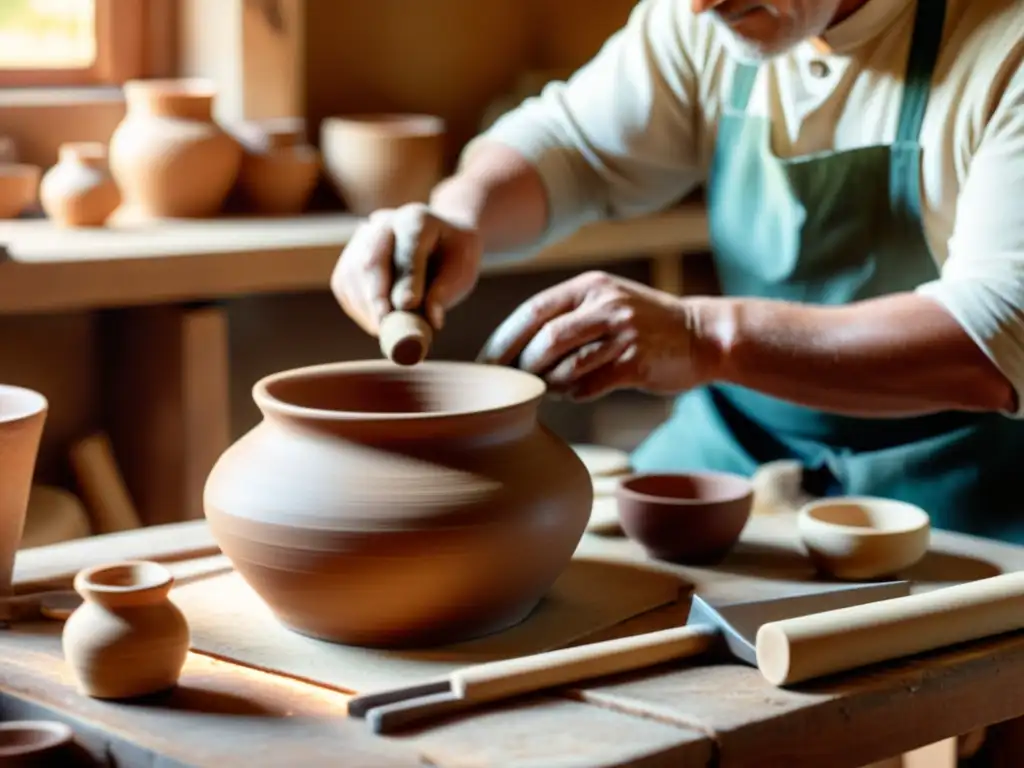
(28, 403)
(49, 734)
(387, 123)
(532, 389)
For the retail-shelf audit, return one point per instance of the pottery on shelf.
(380, 161)
(127, 638)
(863, 537)
(79, 190)
(19, 188)
(688, 518)
(169, 156)
(382, 505)
(36, 744)
(22, 418)
(279, 169)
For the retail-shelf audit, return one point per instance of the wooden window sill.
(46, 268)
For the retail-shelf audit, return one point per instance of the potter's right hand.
(385, 266)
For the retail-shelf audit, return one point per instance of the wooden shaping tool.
(732, 627)
(405, 337)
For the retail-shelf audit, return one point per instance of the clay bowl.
(19, 187)
(854, 538)
(379, 161)
(692, 519)
(34, 743)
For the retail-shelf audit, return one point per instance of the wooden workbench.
(683, 715)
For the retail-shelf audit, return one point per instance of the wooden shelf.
(44, 268)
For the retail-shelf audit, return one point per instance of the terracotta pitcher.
(378, 505)
(79, 191)
(127, 639)
(169, 156)
(22, 417)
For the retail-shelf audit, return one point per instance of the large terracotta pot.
(385, 506)
(169, 157)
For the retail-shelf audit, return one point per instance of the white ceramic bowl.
(858, 537)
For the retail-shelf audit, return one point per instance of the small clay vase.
(36, 744)
(79, 190)
(383, 161)
(19, 188)
(399, 506)
(279, 169)
(169, 157)
(127, 639)
(22, 417)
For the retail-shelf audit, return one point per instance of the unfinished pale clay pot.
(383, 161)
(279, 169)
(383, 505)
(127, 638)
(863, 538)
(19, 188)
(79, 190)
(22, 417)
(169, 157)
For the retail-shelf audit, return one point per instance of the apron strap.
(742, 84)
(905, 166)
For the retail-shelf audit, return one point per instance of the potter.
(863, 164)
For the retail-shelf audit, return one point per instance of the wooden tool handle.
(501, 679)
(794, 650)
(405, 337)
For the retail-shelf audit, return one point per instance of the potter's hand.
(385, 264)
(596, 333)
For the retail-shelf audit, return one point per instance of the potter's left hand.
(596, 333)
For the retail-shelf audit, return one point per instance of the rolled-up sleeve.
(619, 138)
(982, 280)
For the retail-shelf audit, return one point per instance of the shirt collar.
(860, 27)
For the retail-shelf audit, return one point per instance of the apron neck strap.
(929, 21)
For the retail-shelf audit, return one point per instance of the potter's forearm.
(893, 356)
(499, 194)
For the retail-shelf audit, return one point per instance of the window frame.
(123, 29)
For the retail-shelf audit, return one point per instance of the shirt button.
(819, 68)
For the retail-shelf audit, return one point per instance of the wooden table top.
(685, 714)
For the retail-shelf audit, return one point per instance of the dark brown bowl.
(688, 518)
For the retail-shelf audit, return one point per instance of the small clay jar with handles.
(127, 639)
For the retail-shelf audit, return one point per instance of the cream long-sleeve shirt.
(633, 131)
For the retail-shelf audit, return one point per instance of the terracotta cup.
(36, 743)
(22, 416)
(694, 519)
(19, 188)
(382, 161)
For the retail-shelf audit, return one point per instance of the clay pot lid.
(21, 738)
(17, 403)
(379, 391)
(386, 123)
(863, 516)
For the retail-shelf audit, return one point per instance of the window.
(77, 42)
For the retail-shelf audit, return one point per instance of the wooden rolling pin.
(405, 337)
(798, 649)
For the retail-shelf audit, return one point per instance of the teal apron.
(833, 228)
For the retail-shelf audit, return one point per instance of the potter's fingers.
(416, 235)
(509, 339)
(454, 275)
(611, 376)
(571, 371)
(356, 276)
(375, 272)
(562, 336)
